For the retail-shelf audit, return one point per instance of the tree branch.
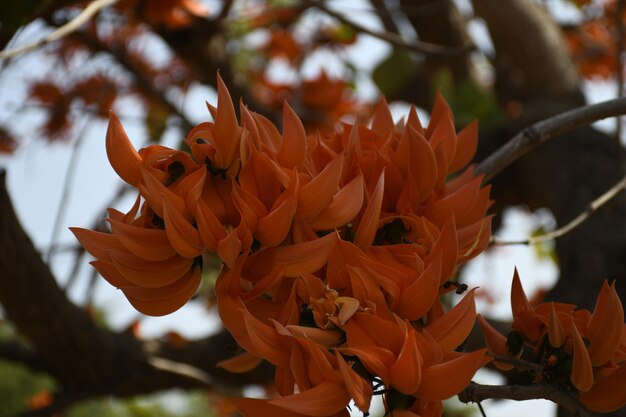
(87, 360)
(540, 132)
(476, 393)
(392, 38)
(577, 221)
(62, 31)
(16, 352)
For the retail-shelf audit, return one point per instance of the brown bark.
(532, 68)
(87, 360)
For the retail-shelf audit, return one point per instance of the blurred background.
(71, 344)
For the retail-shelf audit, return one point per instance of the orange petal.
(148, 244)
(155, 193)
(368, 225)
(582, 370)
(264, 284)
(605, 326)
(441, 130)
(446, 247)
(318, 193)
(327, 398)
(382, 122)
(273, 228)
(466, 145)
(496, 342)
(110, 273)
(422, 167)
(293, 149)
(183, 285)
(150, 274)
(226, 128)
(240, 364)
(344, 207)
(444, 380)
(377, 360)
(305, 258)
(229, 248)
(325, 338)
(406, 372)
(121, 153)
(519, 303)
(419, 297)
(359, 389)
(254, 407)
(608, 395)
(97, 243)
(182, 235)
(172, 303)
(266, 340)
(210, 229)
(556, 334)
(454, 327)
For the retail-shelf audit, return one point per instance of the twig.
(542, 131)
(383, 12)
(181, 369)
(62, 31)
(476, 393)
(67, 186)
(96, 225)
(392, 38)
(519, 363)
(143, 80)
(577, 221)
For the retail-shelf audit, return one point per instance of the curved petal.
(325, 399)
(368, 225)
(148, 244)
(150, 274)
(97, 243)
(293, 149)
(344, 207)
(170, 304)
(444, 380)
(454, 327)
(406, 372)
(182, 235)
(582, 370)
(122, 155)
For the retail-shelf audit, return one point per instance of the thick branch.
(476, 393)
(87, 360)
(540, 132)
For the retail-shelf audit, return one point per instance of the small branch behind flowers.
(542, 131)
(520, 364)
(476, 393)
(577, 221)
(62, 31)
(392, 38)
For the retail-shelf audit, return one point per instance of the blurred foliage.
(170, 404)
(469, 101)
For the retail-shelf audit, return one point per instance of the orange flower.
(335, 249)
(584, 349)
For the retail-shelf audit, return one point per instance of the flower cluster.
(336, 248)
(577, 349)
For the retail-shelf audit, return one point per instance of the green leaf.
(394, 72)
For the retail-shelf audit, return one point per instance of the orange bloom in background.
(335, 246)
(577, 348)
